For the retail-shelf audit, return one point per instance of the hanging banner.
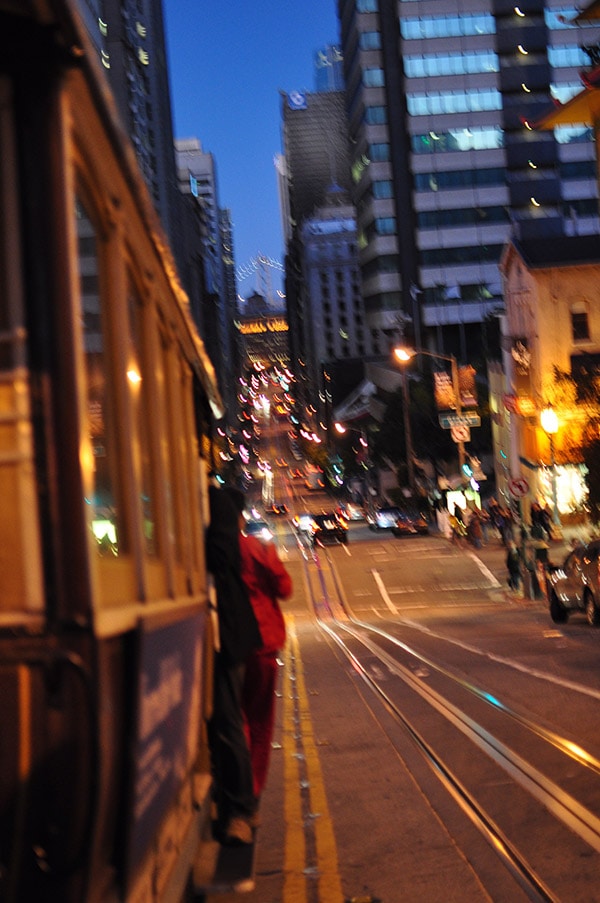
(467, 387)
(521, 357)
(445, 398)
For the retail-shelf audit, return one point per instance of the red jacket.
(267, 581)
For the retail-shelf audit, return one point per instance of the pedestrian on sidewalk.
(238, 636)
(474, 531)
(513, 565)
(458, 527)
(267, 581)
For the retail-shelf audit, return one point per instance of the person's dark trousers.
(229, 748)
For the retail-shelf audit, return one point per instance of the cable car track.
(508, 739)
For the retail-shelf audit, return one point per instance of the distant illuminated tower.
(262, 332)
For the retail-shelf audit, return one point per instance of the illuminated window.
(103, 502)
(139, 386)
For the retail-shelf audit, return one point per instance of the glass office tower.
(441, 96)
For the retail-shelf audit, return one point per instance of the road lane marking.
(298, 731)
(484, 570)
(583, 689)
(383, 592)
(294, 881)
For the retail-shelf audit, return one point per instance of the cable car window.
(103, 501)
(138, 374)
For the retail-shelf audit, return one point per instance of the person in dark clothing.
(239, 636)
(513, 564)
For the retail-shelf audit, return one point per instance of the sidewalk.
(493, 555)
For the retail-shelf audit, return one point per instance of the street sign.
(467, 418)
(460, 433)
(518, 487)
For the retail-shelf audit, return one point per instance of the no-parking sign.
(518, 487)
(460, 433)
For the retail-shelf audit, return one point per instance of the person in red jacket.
(267, 581)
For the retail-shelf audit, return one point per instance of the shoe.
(238, 831)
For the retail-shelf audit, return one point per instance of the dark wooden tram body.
(106, 404)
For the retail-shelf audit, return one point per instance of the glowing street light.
(341, 428)
(549, 422)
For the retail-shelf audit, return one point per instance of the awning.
(583, 109)
(530, 464)
(591, 11)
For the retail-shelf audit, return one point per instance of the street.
(448, 725)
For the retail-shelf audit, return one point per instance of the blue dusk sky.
(228, 61)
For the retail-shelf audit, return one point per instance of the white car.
(383, 518)
(260, 529)
(304, 523)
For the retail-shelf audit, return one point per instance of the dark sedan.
(328, 528)
(411, 523)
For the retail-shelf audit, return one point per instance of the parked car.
(411, 523)
(351, 511)
(383, 518)
(575, 585)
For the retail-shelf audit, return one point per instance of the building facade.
(329, 68)
(333, 316)
(445, 163)
(197, 180)
(551, 327)
(130, 39)
(316, 156)
(262, 334)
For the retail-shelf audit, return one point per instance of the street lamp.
(341, 428)
(549, 422)
(404, 355)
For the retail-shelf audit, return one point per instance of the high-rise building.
(333, 317)
(315, 144)
(316, 156)
(445, 164)
(329, 68)
(130, 38)
(232, 355)
(197, 177)
(130, 41)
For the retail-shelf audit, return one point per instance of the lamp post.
(549, 422)
(341, 428)
(405, 354)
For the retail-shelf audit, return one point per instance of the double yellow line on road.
(310, 849)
